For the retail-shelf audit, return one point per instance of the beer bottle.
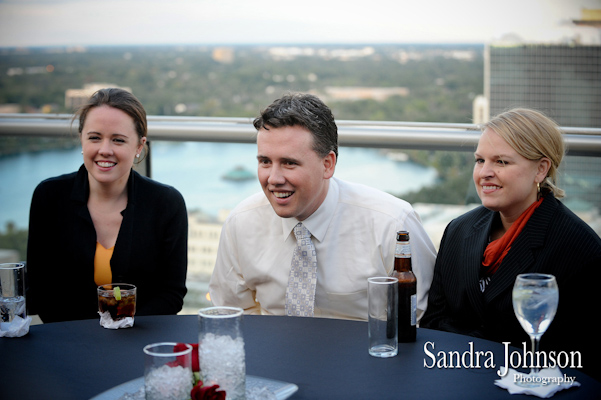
(407, 285)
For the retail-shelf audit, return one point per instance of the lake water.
(196, 170)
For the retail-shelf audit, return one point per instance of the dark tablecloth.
(326, 358)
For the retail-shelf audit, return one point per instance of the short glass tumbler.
(116, 302)
(12, 294)
(167, 373)
(382, 326)
(221, 354)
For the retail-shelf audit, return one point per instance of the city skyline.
(31, 23)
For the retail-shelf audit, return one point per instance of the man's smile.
(282, 195)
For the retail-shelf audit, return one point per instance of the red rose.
(200, 392)
(182, 347)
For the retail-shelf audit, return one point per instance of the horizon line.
(258, 44)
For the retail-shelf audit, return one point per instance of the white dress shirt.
(354, 233)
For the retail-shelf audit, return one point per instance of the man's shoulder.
(364, 196)
(252, 202)
(255, 205)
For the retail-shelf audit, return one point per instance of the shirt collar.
(318, 222)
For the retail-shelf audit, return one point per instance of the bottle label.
(414, 310)
(402, 250)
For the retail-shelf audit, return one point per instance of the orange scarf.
(498, 249)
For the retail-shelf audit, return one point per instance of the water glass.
(12, 294)
(382, 322)
(221, 354)
(167, 372)
(535, 299)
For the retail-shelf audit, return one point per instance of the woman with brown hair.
(106, 223)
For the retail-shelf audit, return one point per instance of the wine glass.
(535, 299)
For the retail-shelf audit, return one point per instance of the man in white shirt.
(352, 227)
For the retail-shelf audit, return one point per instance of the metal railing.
(377, 134)
(368, 134)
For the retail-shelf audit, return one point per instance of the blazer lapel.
(520, 258)
(473, 249)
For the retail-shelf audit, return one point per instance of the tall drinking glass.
(535, 300)
(382, 322)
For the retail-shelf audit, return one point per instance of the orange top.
(102, 265)
(498, 249)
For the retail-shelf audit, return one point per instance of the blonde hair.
(534, 136)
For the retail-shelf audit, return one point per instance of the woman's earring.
(138, 156)
(82, 151)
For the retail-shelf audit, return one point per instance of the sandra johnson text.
(472, 358)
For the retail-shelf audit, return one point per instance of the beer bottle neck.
(402, 257)
(402, 264)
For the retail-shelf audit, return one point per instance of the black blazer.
(554, 241)
(150, 252)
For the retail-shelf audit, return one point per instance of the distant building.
(75, 98)
(590, 17)
(481, 111)
(9, 108)
(223, 55)
(203, 242)
(337, 53)
(350, 93)
(563, 81)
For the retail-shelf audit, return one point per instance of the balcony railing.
(377, 134)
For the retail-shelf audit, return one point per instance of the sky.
(28, 23)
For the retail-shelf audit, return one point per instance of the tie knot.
(301, 231)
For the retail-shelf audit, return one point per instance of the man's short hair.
(308, 111)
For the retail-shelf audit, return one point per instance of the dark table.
(326, 358)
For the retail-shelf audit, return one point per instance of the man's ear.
(329, 163)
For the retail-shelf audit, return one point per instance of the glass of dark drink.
(117, 305)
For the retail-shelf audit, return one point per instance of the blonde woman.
(521, 227)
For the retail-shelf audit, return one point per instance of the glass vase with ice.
(221, 354)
